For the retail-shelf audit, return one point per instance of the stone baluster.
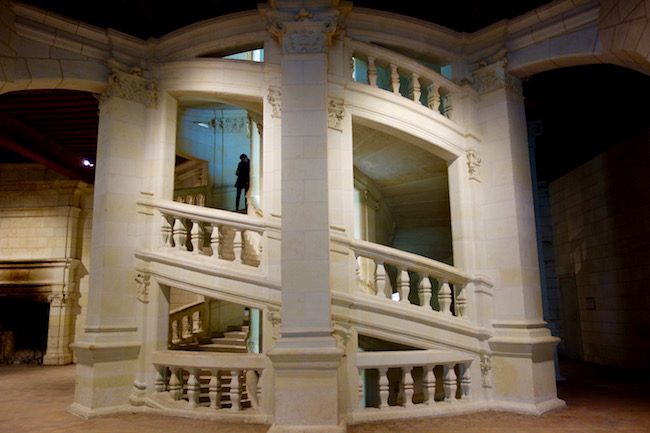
(465, 381)
(175, 335)
(196, 238)
(399, 398)
(449, 383)
(251, 387)
(176, 383)
(258, 389)
(215, 239)
(444, 297)
(408, 386)
(433, 98)
(383, 387)
(160, 384)
(193, 388)
(429, 384)
(372, 72)
(382, 283)
(461, 300)
(448, 106)
(237, 245)
(362, 402)
(235, 391)
(414, 87)
(166, 231)
(394, 78)
(187, 326)
(214, 389)
(197, 323)
(403, 285)
(424, 293)
(180, 234)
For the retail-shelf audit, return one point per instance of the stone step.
(217, 347)
(240, 335)
(229, 341)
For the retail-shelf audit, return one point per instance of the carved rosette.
(131, 86)
(473, 165)
(274, 99)
(495, 76)
(335, 113)
(143, 280)
(486, 368)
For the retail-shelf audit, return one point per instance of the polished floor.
(34, 399)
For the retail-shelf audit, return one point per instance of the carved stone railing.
(209, 383)
(424, 85)
(188, 323)
(415, 279)
(223, 235)
(415, 380)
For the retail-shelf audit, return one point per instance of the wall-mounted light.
(212, 123)
(87, 163)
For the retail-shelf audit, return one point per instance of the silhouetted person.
(243, 171)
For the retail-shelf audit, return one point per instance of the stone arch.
(624, 31)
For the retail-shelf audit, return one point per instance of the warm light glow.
(87, 163)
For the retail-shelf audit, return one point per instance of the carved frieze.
(131, 86)
(495, 76)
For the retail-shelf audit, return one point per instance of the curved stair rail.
(187, 324)
(425, 86)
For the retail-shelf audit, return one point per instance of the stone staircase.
(233, 341)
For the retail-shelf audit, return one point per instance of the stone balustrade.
(209, 382)
(216, 233)
(403, 76)
(411, 279)
(412, 379)
(188, 323)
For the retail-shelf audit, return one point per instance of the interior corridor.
(34, 399)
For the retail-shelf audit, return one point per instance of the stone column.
(305, 358)
(522, 347)
(107, 351)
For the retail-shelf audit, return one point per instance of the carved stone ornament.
(495, 76)
(486, 367)
(342, 334)
(143, 281)
(304, 30)
(273, 316)
(274, 99)
(335, 113)
(473, 164)
(131, 86)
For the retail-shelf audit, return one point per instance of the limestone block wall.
(602, 237)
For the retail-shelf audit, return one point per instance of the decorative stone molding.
(301, 31)
(342, 333)
(273, 316)
(495, 76)
(274, 98)
(143, 280)
(335, 113)
(131, 86)
(486, 368)
(473, 164)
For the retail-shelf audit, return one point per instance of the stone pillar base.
(57, 358)
(306, 390)
(523, 367)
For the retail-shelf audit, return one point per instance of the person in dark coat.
(243, 179)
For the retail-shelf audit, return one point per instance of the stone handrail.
(439, 91)
(415, 277)
(407, 378)
(211, 232)
(184, 376)
(188, 323)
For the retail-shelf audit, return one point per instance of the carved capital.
(143, 280)
(495, 76)
(473, 165)
(335, 113)
(274, 98)
(131, 86)
(303, 30)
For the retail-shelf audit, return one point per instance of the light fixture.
(212, 123)
(86, 163)
(203, 124)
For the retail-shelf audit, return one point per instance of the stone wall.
(602, 237)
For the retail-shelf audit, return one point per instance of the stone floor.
(34, 399)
